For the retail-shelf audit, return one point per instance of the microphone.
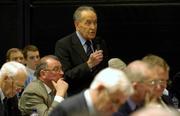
(98, 47)
(97, 43)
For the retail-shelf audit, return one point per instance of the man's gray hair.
(77, 13)
(112, 79)
(11, 69)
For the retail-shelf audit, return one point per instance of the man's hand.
(61, 87)
(95, 58)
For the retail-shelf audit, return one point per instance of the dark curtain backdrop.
(131, 28)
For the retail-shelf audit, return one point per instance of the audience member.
(15, 54)
(109, 90)
(47, 91)
(32, 58)
(139, 73)
(82, 54)
(12, 77)
(159, 81)
(117, 63)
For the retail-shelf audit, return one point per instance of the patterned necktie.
(89, 49)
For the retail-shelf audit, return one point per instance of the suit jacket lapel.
(79, 48)
(46, 95)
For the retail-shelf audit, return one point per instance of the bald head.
(137, 71)
(117, 63)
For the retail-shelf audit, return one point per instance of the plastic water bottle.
(34, 112)
(175, 102)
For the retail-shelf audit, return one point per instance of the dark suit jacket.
(125, 110)
(73, 58)
(72, 106)
(11, 107)
(1, 108)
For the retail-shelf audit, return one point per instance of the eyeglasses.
(57, 70)
(157, 82)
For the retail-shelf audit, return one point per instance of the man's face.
(54, 71)
(13, 85)
(159, 81)
(109, 102)
(87, 25)
(142, 91)
(143, 88)
(32, 59)
(17, 56)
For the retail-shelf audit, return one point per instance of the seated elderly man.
(159, 80)
(108, 91)
(47, 91)
(12, 78)
(139, 73)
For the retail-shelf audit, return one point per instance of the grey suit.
(72, 106)
(35, 96)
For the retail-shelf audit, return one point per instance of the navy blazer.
(125, 110)
(72, 55)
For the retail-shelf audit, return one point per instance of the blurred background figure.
(117, 63)
(159, 80)
(32, 58)
(139, 73)
(47, 91)
(12, 78)
(107, 92)
(15, 54)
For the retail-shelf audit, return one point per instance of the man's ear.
(100, 88)
(76, 23)
(135, 85)
(6, 77)
(42, 74)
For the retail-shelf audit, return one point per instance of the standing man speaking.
(82, 54)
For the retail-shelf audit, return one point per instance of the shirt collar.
(131, 104)
(47, 88)
(30, 70)
(89, 102)
(1, 95)
(82, 40)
